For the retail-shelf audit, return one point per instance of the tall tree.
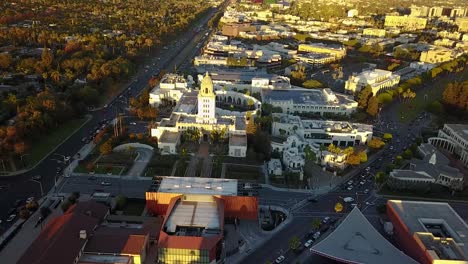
(363, 97)
(373, 106)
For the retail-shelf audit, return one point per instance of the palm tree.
(45, 76)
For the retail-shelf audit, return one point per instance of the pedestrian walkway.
(141, 161)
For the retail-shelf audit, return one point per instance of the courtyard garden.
(240, 172)
(115, 163)
(161, 165)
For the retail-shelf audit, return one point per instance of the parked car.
(280, 259)
(133, 123)
(104, 183)
(348, 199)
(366, 191)
(308, 243)
(312, 199)
(317, 235)
(30, 199)
(92, 178)
(37, 177)
(326, 219)
(369, 203)
(350, 188)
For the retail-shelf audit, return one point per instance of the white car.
(316, 235)
(326, 219)
(369, 203)
(11, 218)
(30, 199)
(105, 183)
(133, 123)
(366, 191)
(349, 188)
(280, 259)
(348, 199)
(308, 243)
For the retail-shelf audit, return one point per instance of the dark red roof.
(117, 244)
(59, 242)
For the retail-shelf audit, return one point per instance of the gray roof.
(414, 213)
(355, 240)
(305, 96)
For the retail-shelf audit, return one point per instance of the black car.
(312, 200)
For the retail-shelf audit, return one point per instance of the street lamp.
(40, 185)
(22, 162)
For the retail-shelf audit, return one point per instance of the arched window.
(206, 90)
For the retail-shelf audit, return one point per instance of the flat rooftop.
(355, 240)
(239, 76)
(423, 217)
(169, 137)
(193, 214)
(192, 185)
(238, 140)
(305, 96)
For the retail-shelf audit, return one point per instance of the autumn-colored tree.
(106, 148)
(153, 81)
(362, 156)
(5, 61)
(363, 97)
(90, 166)
(348, 150)
(373, 106)
(376, 143)
(387, 136)
(20, 148)
(251, 128)
(353, 159)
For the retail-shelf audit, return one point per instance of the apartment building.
(379, 80)
(337, 51)
(437, 55)
(409, 23)
(374, 32)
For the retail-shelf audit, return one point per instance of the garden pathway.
(203, 153)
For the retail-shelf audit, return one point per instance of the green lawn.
(243, 173)
(40, 148)
(411, 109)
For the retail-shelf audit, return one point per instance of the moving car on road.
(280, 259)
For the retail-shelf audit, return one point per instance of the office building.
(355, 240)
(379, 80)
(429, 232)
(453, 138)
(420, 174)
(316, 101)
(408, 23)
(337, 51)
(194, 211)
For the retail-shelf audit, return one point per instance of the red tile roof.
(59, 242)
